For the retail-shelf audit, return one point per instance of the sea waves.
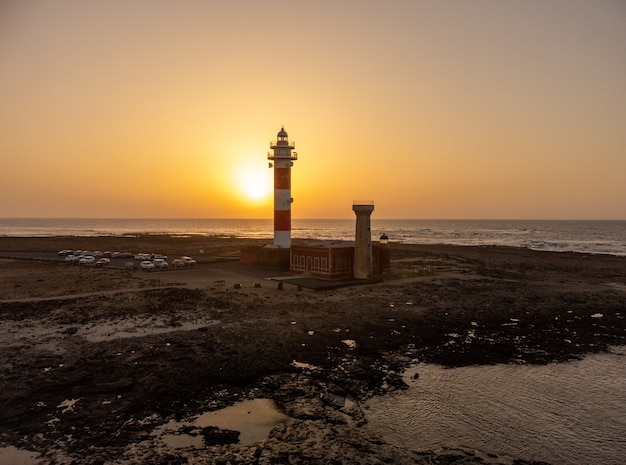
(596, 237)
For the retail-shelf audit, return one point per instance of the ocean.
(587, 236)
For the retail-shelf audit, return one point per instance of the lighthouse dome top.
(282, 141)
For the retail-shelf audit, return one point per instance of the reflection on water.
(12, 456)
(254, 419)
(570, 413)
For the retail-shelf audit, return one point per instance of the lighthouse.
(283, 158)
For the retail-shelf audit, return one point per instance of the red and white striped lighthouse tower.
(283, 158)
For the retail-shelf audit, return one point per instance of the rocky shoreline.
(95, 360)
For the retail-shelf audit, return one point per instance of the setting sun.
(254, 181)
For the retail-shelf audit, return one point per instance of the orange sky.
(432, 109)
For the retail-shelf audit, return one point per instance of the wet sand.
(96, 360)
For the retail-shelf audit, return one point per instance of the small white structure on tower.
(283, 158)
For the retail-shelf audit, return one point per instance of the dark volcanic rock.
(204, 349)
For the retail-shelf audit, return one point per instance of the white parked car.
(160, 264)
(87, 260)
(188, 261)
(146, 265)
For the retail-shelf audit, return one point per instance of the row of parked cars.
(82, 259)
(95, 253)
(148, 262)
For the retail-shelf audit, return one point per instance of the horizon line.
(297, 219)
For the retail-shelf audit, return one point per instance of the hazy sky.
(432, 109)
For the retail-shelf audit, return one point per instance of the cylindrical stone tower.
(363, 260)
(283, 158)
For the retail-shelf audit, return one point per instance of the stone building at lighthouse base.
(322, 259)
(332, 259)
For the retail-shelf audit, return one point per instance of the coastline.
(585, 236)
(132, 345)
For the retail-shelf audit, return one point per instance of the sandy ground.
(95, 361)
